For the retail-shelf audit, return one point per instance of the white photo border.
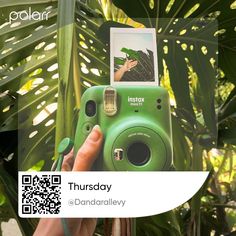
(114, 31)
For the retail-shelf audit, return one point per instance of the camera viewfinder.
(118, 154)
(90, 108)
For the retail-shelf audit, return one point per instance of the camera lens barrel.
(138, 153)
(136, 147)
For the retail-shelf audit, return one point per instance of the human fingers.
(89, 150)
(134, 63)
(68, 161)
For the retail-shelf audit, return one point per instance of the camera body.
(136, 124)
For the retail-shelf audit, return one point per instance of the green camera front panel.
(138, 107)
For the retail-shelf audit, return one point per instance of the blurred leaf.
(66, 50)
(228, 110)
(28, 80)
(165, 224)
(8, 209)
(182, 156)
(38, 166)
(2, 199)
(227, 120)
(227, 135)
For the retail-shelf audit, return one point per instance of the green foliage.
(164, 224)
(28, 80)
(131, 54)
(119, 61)
(190, 67)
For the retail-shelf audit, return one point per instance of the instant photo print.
(133, 56)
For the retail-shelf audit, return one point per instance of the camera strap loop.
(64, 148)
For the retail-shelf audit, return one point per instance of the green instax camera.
(136, 124)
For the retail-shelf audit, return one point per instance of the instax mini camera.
(136, 124)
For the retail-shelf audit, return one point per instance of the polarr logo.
(28, 15)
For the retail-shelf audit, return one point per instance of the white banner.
(105, 194)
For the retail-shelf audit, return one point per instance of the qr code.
(41, 194)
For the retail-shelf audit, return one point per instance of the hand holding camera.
(136, 124)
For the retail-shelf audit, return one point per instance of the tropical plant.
(196, 53)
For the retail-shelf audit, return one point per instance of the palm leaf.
(28, 80)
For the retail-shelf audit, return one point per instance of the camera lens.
(90, 108)
(138, 153)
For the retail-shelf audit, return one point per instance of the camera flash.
(110, 101)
